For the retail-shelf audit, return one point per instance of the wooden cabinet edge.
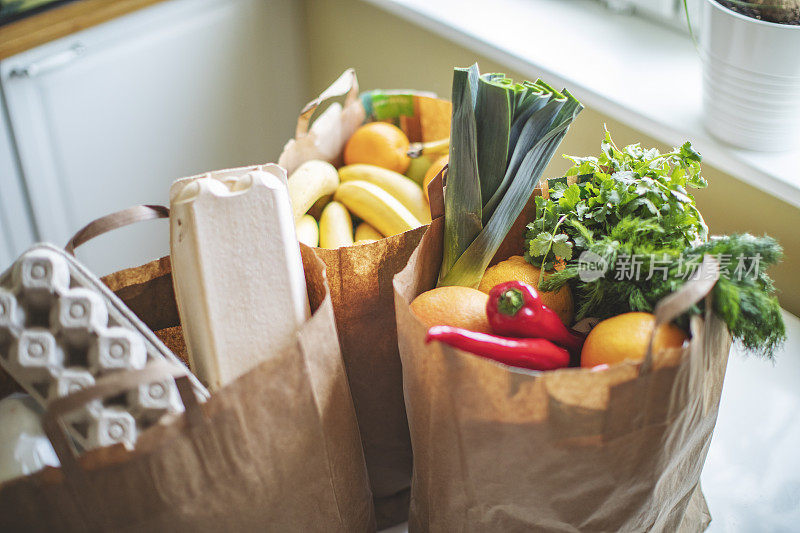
(62, 21)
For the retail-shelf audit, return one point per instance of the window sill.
(642, 74)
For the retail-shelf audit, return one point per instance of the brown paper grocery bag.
(276, 450)
(360, 278)
(504, 449)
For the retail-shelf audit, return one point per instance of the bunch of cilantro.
(633, 203)
(617, 186)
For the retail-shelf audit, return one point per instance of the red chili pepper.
(534, 354)
(516, 310)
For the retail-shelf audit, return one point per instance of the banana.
(404, 189)
(335, 226)
(376, 207)
(365, 232)
(307, 230)
(432, 148)
(311, 181)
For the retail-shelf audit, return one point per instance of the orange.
(433, 170)
(515, 268)
(461, 307)
(378, 143)
(625, 337)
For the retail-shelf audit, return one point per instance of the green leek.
(462, 200)
(503, 135)
(493, 115)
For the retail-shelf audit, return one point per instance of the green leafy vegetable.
(639, 274)
(631, 183)
(494, 112)
(629, 214)
(462, 202)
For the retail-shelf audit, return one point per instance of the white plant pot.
(751, 80)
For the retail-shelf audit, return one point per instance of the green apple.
(418, 167)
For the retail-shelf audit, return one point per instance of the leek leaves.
(462, 200)
(503, 135)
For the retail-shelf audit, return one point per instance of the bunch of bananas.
(384, 203)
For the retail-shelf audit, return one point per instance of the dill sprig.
(744, 297)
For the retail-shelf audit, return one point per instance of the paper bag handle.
(114, 221)
(347, 84)
(677, 303)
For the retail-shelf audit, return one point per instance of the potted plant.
(751, 72)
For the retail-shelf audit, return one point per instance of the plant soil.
(778, 11)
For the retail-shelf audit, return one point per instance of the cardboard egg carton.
(61, 329)
(229, 228)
